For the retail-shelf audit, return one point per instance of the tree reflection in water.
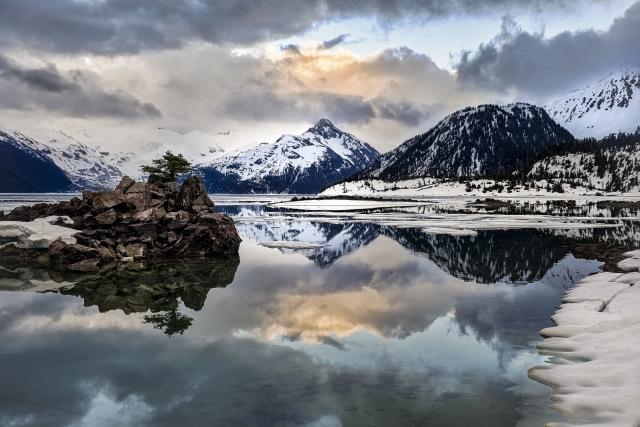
(171, 322)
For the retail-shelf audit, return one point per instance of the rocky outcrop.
(136, 220)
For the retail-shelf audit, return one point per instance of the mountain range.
(482, 141)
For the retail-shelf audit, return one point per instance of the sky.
(235, 73)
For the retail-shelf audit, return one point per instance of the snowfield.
(595, 351)
(479, 188)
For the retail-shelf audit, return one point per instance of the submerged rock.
(134, 221)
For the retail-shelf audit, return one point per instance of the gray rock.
(124, 184)
(107, 218)
(136, 250)
(193, 196)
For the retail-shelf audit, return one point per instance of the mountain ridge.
(484, 140)
(600, 108)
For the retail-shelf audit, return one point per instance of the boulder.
(151, 214)
(107, 218)
(193, 196)
(105, 251)
(136, 250)
(102, 200)
(207, 240)
(124, 185)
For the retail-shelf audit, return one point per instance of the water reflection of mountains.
(492, 256)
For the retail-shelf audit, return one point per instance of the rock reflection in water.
(134, 287)
(154, 286)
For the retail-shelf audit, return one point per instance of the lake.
(372, 323)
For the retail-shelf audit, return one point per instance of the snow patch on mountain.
(609, 105)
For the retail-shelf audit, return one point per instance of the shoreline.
(594, 365)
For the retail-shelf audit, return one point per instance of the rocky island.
(136, 221)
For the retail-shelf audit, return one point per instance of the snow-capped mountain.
(609, 105)
(475, 141)
(86, 165)
(83, 166)
(27, 170)
(304, 163)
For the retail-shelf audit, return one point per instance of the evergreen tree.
(168, 167)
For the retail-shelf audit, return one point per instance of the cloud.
(291, 48)
(534, 64)
(396, 85)
(47, 78)
(403, 111)
(113, 27)
(77, 93)
(330, 44)
(265, 104)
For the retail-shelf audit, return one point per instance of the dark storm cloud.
(263, 104)
(129, 26)
(535, 64)
(330, 44)
(77, 93)
(47, 78)
(403, 112)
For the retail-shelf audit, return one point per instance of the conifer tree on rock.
(168, 167)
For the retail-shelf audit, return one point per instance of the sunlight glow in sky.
(256, 71)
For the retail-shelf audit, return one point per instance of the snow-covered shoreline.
(594, 350)
(479, 188)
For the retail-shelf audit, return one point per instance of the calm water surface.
(380, 326)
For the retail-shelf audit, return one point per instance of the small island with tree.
(157, 219)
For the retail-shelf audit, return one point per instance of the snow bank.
(595, 350)
(479, 188)
(38, 233)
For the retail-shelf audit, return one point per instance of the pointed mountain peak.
(324, 123)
